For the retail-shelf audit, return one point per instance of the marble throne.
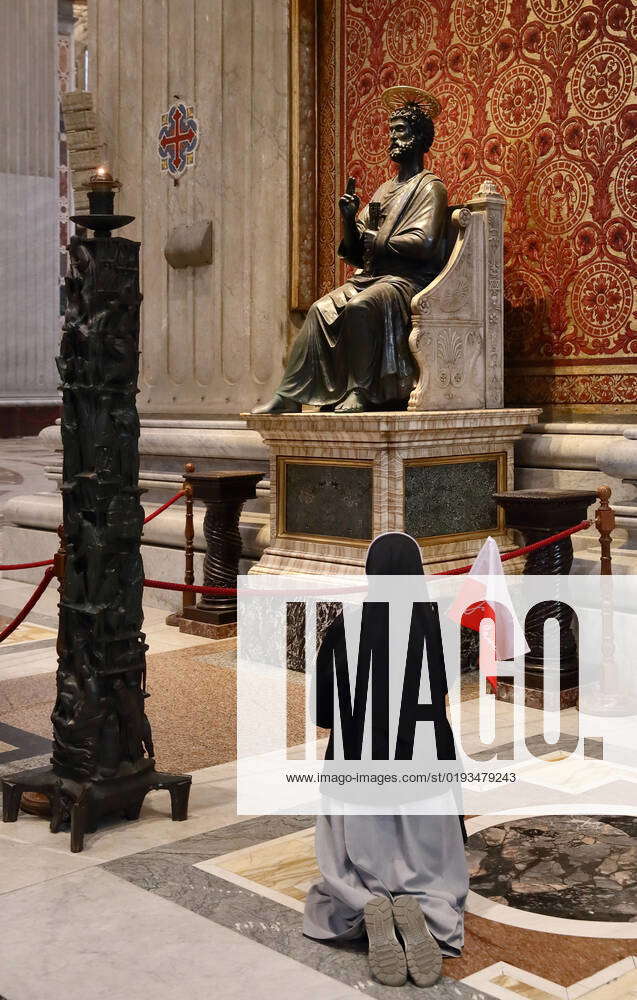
(456, 337)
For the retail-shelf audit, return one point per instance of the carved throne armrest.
(456, 337)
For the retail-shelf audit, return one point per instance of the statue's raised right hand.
(349, 203)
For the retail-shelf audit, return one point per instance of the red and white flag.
(485, 595)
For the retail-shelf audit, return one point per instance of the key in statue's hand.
(349, 203)
(368, 237)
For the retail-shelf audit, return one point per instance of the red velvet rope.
(164, 506)
(231, 591)
(534, 546)
(35, 565)
(516, 553)
(49, 562)
(191, 588)
(33, 600)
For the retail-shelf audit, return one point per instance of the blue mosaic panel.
(330, 501)
(451, 498)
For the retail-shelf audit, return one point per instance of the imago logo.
(402, 692)
(425, 652)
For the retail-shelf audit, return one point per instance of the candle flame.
(101, 171)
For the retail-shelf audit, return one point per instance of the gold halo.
(396, 97)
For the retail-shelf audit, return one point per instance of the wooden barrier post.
(605, 524)
(223, 493)
(59, 558)
(189, 598)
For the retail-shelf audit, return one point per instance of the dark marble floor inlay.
(578, 867)
(22, 744)
(169, 872)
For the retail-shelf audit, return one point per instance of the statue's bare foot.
(279, 404)
(355, 402)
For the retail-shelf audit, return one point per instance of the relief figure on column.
(352, 352)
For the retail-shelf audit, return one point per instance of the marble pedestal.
(338, 480)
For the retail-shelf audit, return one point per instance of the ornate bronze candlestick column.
(103, 757)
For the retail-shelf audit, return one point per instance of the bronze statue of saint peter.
(352, 353)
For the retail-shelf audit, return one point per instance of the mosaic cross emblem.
(178, 139)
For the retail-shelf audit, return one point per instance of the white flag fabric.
(485, 584)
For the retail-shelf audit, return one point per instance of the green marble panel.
(331, 501)
(451, 498)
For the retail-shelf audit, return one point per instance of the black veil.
(394, 554)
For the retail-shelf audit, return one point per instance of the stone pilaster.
(213, 336)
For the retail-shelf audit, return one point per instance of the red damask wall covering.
(539, 95)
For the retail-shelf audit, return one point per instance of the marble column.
(29, 256)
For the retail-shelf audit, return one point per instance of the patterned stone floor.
(18, 746)
(220, 898)
(252, 876)
(179, 872)
(248, 878)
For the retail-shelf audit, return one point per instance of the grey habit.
(356, 337)
(363, 856)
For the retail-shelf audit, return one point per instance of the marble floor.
(213, 906)
(223, 895)
(232, 888)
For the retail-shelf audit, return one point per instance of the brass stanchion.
(605, 524)
(608, 697)
(189, 599)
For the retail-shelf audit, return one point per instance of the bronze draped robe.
(356, 337)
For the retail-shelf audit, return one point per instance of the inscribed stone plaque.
(327, 500)
(453, 497)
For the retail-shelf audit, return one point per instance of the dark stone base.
(534, 697)
(214, 612)
(205, 629)
(214, 622)
(84, 802)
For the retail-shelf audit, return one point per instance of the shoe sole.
(386, 957)
(424, 958)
